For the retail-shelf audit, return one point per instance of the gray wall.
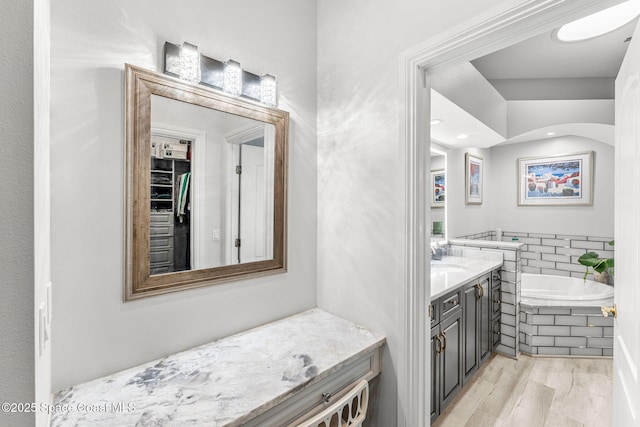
(466, 219)
(94, 332)
(500, 206)
(17, 359)
(596, 220)
(361, 164)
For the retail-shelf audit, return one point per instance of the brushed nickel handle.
(444, 338)
(609, 310)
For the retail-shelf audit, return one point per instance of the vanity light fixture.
(435, 122)
(268, 88)
(599, 23)
(232, 81)
(188, 64)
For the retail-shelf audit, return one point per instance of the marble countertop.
(225, 382)
(476, 263)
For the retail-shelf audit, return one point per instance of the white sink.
(446, 267)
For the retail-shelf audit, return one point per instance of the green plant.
(599, 265)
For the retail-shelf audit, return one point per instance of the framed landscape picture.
(438, 183)
(556, 180)
(473, 179)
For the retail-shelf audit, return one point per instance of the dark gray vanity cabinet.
(446, 351)
(465, 328)
(478, 324)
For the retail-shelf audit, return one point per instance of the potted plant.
(602, 267)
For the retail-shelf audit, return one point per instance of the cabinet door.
(496, 333)
(451, 361)
(436, 347)
(495, 301)
(470, 349)
(484, 318)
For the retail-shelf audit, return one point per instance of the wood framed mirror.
(206, 185)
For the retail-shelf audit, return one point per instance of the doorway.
(517, 24)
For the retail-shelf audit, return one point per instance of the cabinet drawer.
(309, 401)
(161, 242)
(496, 278)
(434, 312)
(449, 304)
(161, 230)
(161, 256)
(160, 270)
(161, 218)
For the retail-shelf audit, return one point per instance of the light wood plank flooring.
(534, 392)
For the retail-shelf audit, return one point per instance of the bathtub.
(561, 316)
(553, 291)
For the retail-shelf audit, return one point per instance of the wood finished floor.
(534, 392)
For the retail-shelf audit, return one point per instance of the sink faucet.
(436, 252)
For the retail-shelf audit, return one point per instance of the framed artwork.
(473, 179)
(556, 180)
(438, 182)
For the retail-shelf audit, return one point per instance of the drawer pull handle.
(439, 349)
(453, 302)
(444, 338)
(326, 397)
(497, 301)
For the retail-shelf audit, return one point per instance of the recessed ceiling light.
(435, 122)
(462, 136)
(599, 23)
(550, 133)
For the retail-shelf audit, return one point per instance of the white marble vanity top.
(476, 264)
(225, 382)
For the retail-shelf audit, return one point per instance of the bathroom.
(347, 178)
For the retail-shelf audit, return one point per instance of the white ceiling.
(539, 68)
(456, 121)
(542, 57)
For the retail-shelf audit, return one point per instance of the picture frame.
(561, 180)
(438, 188)
(474, 171)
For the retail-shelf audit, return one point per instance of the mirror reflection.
(438, 195)
(211, 188)
(206, 177)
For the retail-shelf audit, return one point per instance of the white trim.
(198, 183)
(491, 31)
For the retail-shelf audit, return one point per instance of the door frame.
(492, 30)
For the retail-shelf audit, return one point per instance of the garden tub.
(561, 316)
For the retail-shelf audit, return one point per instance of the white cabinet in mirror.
(206, 186)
